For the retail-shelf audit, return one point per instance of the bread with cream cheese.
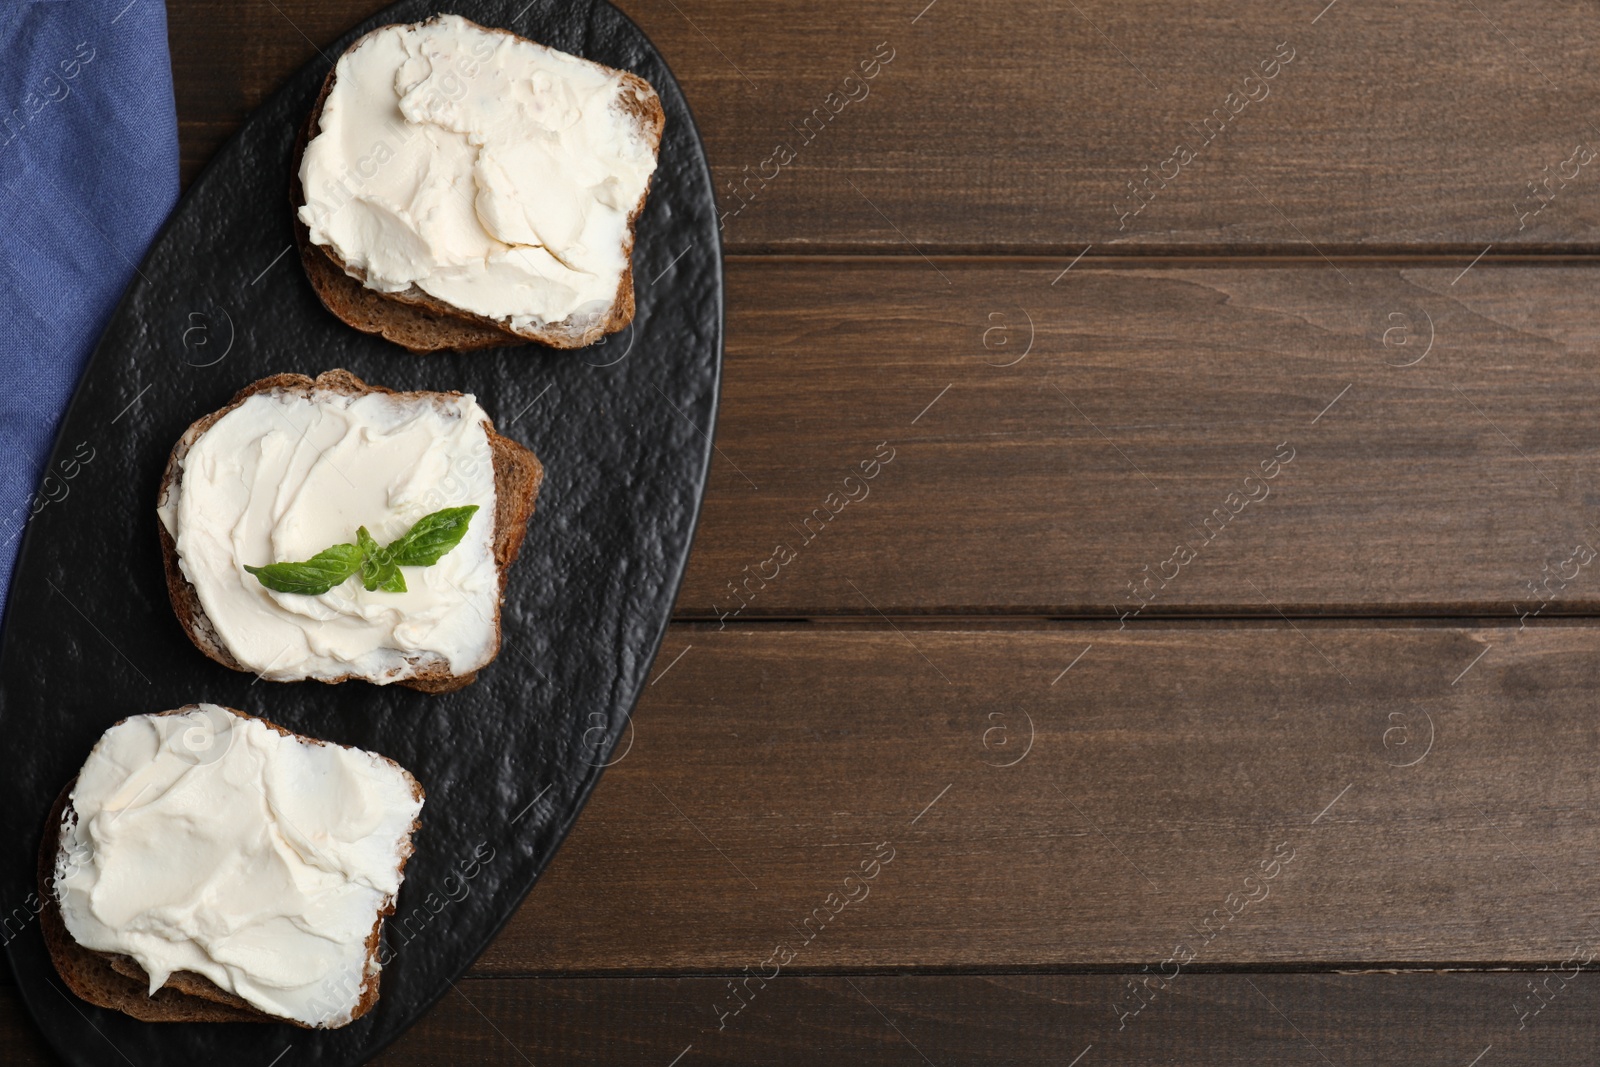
(117, 981)
(423, 322)
(517, 475)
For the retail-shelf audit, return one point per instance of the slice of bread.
(111, 980)
(420, 322)
(517, 477)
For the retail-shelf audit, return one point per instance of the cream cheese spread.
(492, 173)
(284, 475)
(205, 841)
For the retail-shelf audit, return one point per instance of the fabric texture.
(88, 173)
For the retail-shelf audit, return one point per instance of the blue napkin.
(88, 173)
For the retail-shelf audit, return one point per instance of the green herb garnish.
(378, 570)
(429, 538)
(315, 576)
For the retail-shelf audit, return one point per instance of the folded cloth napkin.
(88, 173)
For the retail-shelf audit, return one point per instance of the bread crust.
(517, 477)
(422, 323)
(111, 980)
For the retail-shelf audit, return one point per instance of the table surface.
(1206, 672)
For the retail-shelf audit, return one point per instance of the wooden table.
(1206, 672)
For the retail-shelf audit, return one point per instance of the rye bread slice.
(419, 322)
(112, 980)
(517, 476)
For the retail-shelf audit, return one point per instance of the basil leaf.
(377, 570)
(431, 537)
(421, 546)
(313, 577)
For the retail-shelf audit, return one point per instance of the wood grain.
(1018, 126)
(1073, 806)
(1013, 1020)
(1168, 767)
(1058, 485)
(1016, 1020)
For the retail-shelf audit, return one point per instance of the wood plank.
(1018, 126)
(1238, 790)
(1149, 395)
(1015, 1020)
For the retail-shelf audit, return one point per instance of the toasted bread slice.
(420, 322)
(517, 477)
(111, 980)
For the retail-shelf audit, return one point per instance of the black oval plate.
(622, 428)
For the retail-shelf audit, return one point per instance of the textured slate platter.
(622, 428)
